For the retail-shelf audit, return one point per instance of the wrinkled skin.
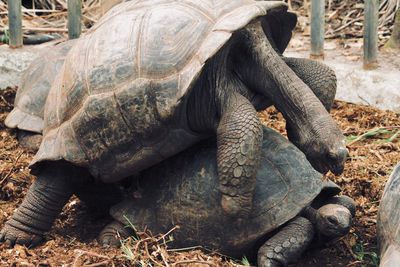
(220, 103)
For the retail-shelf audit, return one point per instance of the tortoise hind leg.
(112, 233)
(287, 245)
(43, 202)
(29, 140)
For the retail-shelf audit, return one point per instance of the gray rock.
(13, 62)
(378, 88)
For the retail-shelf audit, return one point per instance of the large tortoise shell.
(124, 80)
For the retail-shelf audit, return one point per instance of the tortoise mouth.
(337, 169)
(333, 162)
(318, 165)
(335, 230)
(336, 160)
(344, 230)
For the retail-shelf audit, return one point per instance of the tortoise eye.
(332, 220)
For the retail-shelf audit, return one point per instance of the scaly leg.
(112, 233)
(239, 140)
(319, 77)
(287, 245)
(43, 202)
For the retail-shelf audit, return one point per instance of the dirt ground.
(373, 143)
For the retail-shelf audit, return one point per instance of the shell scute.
(100, 126)
(138, 106)
(71, 100)
(101, 79)
(388, 227)
(168, 54)
(165, 97)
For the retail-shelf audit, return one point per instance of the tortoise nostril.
(331, 156)
(340, 155)
(343, 153)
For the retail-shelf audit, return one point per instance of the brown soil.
(72, 240)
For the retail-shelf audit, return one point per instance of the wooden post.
(317, 28)
(74, 18)
(394, 41)
(15, 23)
(371, 33)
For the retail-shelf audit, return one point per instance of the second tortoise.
(293, 206)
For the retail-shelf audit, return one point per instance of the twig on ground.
(81, 253)
(193, 261)
(4, 180)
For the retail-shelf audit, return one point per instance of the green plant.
(127, 252)
(130, 225)
(245, 261)
(385, 134)
(370, 258)
(5, 38)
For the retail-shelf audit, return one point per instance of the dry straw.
(344, 18)
(51, 15)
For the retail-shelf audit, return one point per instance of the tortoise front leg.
(321, 80)
(43, 202)
(287, 245)
(239, 140)
(319, 77)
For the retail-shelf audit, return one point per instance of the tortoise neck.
(310, 213)
(210, 94)
(274, 79)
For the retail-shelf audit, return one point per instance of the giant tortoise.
(152, 78)
(388, 223)
(28, 112)
(287, 189)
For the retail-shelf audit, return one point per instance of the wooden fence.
(317, 27)
(371, 8)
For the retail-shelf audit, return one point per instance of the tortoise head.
(333, 220)
(323, 144)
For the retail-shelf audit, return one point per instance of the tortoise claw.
(113, 233)
(12, 236)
